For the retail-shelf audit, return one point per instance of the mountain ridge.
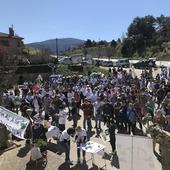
(63, 44)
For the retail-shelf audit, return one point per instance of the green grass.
(31, 51)
(63, 69)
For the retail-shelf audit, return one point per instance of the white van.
(124, 62)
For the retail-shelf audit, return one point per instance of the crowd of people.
(118, 100)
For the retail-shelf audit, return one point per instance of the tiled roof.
(7, 35)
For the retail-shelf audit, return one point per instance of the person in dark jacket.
(38, 131)
(111, 130)
(108, 111)
(74, 111)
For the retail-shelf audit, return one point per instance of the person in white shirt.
(35, 104)
(65, 142)
(88, 92)
(70, 95)
(80, 139)
(62, 118)
(98, 112)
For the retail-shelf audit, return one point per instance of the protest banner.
(15, 123)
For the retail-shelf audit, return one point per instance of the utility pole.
(57, 48)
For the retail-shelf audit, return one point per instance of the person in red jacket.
(88, 111)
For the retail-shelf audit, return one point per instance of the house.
(10, 44)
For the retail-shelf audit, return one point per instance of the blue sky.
(38, 20)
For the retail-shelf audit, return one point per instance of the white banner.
(15, 124)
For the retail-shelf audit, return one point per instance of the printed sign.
(16, 124)
(92, 147)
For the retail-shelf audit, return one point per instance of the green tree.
(103, 43)
(141, 33)
(113, 43)
(109, 52)
(163, 31)
(128, 48)
(88, 43)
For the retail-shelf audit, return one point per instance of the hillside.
(63, 44)
(146, 37)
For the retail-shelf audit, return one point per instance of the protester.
(121, 96)
(38, 131)
(87, 108)
(132, 118)
(62, 118)
(80, 140)
(73, 110)
(65, 142)
(98, 106)
(112, 127)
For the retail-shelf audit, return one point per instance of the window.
(4, 43)
(19, 44)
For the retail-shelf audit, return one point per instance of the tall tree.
(88, 43)
(163, 31)
(113, 43)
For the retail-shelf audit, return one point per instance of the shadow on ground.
(158, 156)
(23, 151)
(12, 146)
(139, 132)
(90, 134)
(82, 166)
(115, 161)
(32, 166)
(55, 148)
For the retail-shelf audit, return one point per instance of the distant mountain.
(63, 44)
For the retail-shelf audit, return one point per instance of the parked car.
(124, 62)
(145, 64)
(66, 60)
(109, 64)
(97, 63)
(104, 63)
